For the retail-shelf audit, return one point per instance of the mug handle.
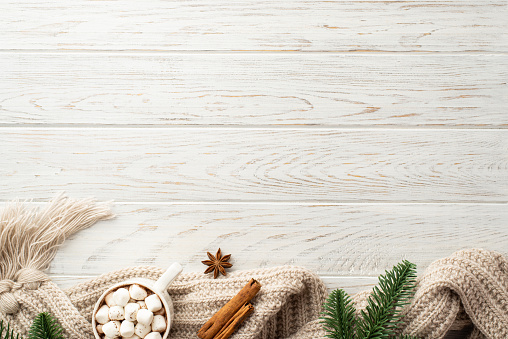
(167, 278)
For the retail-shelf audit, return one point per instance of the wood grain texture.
(387, 90)
(333, 240)
(360, 132)
(221, 164)
(255, 26)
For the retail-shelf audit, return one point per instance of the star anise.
(217, 264)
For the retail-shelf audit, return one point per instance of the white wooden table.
(342, 136)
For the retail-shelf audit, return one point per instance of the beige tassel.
(30, 237)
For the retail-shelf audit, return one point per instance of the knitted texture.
(470, 285)
(477, 280)
(290, 298)
(472, 282)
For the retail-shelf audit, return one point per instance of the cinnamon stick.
(218, 321)
(235, 321)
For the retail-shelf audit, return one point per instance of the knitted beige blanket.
(470, 285)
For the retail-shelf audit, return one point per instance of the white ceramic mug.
(158, 287)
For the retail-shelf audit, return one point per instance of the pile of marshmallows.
(131, 313)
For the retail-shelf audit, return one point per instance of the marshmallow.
(137, 292)
(158, 323)
(112, 329)
(109, 300)
(102, 315)
(141, 330)
(134, 336)
(127, 328)
(153, 303)
(131, 311)
(144, 317)
(121, 297)
(141, 310)
(153, 335)
(116, 313)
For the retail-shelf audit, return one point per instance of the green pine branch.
(45, 327)
(382, 315)
(9, 334)
(339, 316)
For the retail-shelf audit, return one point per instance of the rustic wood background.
(342, 136)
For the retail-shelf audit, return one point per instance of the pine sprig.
(339, 316)
(9, 334)
(382, 315)
(45, 326)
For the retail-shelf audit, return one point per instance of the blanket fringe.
(30, 237)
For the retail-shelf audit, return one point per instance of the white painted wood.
(402, 90)
(333, 240)
(261, 25)
(351, 285)
(398, 86)
(255, 164)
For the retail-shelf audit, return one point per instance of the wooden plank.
(333, 240)
(255, 26)
(254, 89)
(351, 285)
(251, 164)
